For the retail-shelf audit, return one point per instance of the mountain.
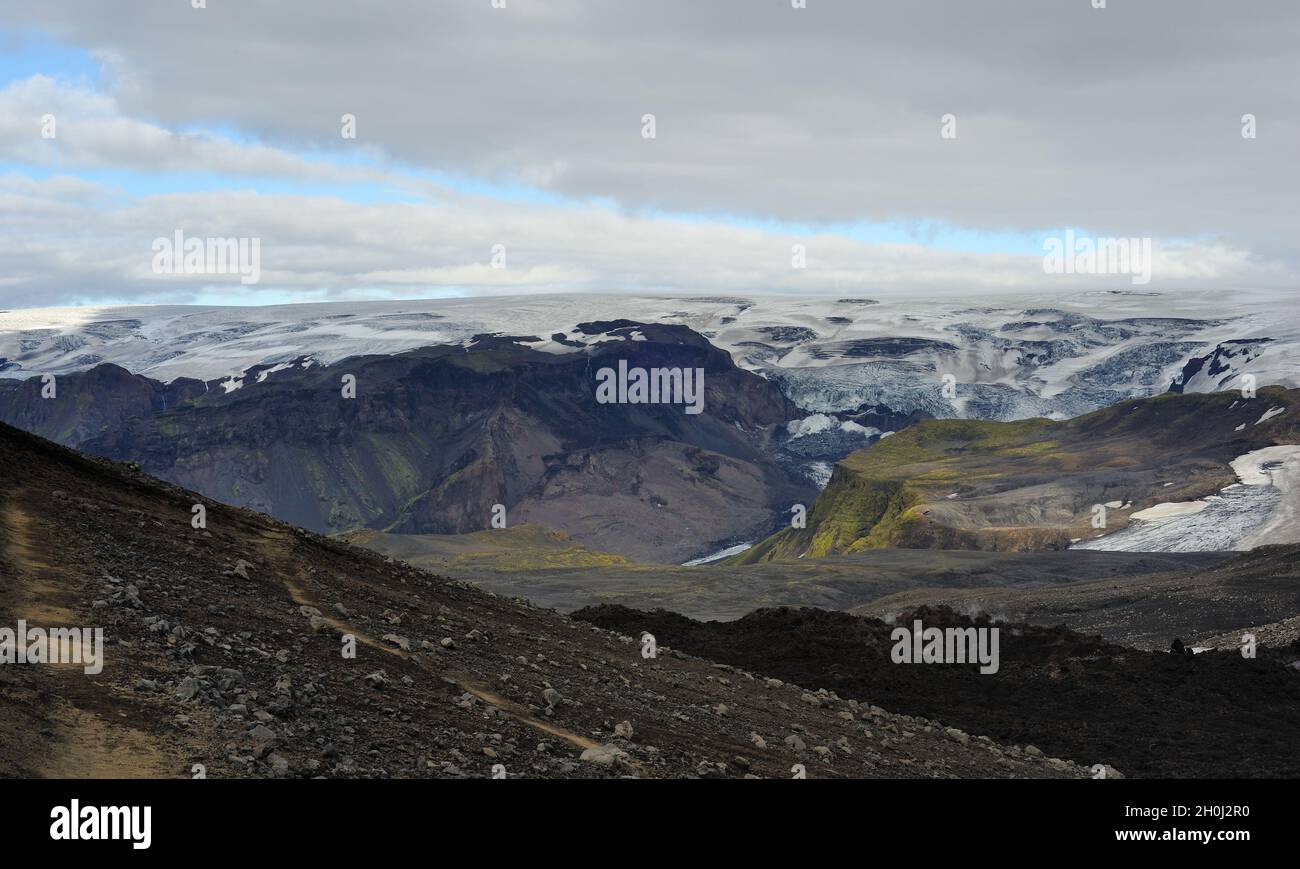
(223, 654)
(435, 438)
(1038, 484)
(88, 403)
(466, 404)
(880, 362)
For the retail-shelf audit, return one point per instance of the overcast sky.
(523, 127)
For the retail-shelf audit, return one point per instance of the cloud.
(775, 126)
(90, 131)
(68, 242)
(1125, 120)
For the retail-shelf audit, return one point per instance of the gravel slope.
(224, 650)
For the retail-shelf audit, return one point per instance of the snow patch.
(719, 555)
(1262, 508)
(820, 422)
(1270, 413)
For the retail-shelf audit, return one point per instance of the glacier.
(870, 361)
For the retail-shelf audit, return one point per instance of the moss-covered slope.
(1033, 484)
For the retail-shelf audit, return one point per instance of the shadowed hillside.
(436, 438)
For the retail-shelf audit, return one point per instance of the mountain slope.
(224, 651)
(435, 438)
(1147, 713)
(1033, 484)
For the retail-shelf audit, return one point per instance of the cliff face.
(436, 437)
(88, 403)
(1033, 484)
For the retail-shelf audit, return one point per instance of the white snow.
(825, 366)
(1263, 508)
(1270, 413)
(1170, 510)
(262, 375)
(719, 555)
(820, 473)
(1279, 467)
(820, 422)
(865, 430)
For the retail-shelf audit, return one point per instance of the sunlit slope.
(1033, 484)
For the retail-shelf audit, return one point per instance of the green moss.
(402, 477)
(897, 492)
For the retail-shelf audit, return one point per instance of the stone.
(400, 642)
(264, 739)
(279, 766)
(604, 755)
(957, 735)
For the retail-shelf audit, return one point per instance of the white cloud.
(67, 241)
(91, 132)
(1123, 122)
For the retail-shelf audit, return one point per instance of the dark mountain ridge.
(436, 437)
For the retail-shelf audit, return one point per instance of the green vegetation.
(1030, 484)
(523, 547)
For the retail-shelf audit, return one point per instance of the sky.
(928, 146)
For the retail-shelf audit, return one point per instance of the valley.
(448, 490)
(225, 653)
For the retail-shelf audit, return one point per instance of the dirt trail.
(38, 598)
(507, 707)
(87, 744)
